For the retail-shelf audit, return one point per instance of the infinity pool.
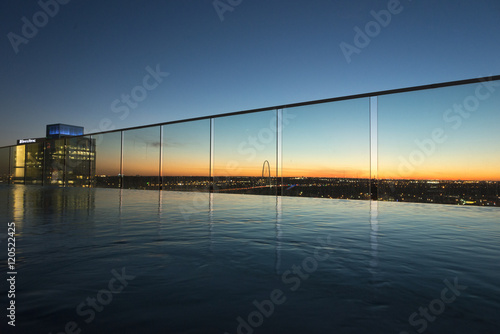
(132, 261)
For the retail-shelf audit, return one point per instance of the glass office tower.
(64, 158)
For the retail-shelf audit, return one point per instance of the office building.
(63, 158)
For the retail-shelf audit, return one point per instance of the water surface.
(200, 263)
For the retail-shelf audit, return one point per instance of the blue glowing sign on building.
(55, 131)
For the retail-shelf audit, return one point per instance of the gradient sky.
(263, 53)
(465, 140)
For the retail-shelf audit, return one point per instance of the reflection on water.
(201, 260)
(56, 202)
(210, 219)
(374, 234)
(279, 213)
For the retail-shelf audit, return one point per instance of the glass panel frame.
(5, 173)
(55, 162)
(326, 150)
(141, 158)
(17, 164)
(80, 152)
(107, 160)
(186, 156)
(437, 145)
(34, 163)
(245, 153)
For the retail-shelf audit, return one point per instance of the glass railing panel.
(55, 162)
(80, 153)
(17, 163)
(244, 157)
(107, 160)
(326, 150)
(141, 158)
(4, 165)
(186, 156)
(440, 145)
(34, 163)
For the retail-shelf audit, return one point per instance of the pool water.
(132, 261)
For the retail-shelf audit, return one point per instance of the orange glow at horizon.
(201, 169)
(466, 167)
(327, 173)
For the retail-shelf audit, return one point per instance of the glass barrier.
(80, 152)
(186, 156)
(326, 150)
(245, 153)
(54, 162)
(141, 158)
(440, 145)
(107, 160)
(432, 146)
(5, 165)
(34, 163)
(17, 163)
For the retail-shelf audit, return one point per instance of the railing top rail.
(299, 104)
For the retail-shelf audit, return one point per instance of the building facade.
(59, 159)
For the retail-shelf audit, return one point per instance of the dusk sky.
(184, 59)
(444, 133)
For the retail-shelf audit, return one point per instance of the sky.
(113, 64)
(444, 133)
